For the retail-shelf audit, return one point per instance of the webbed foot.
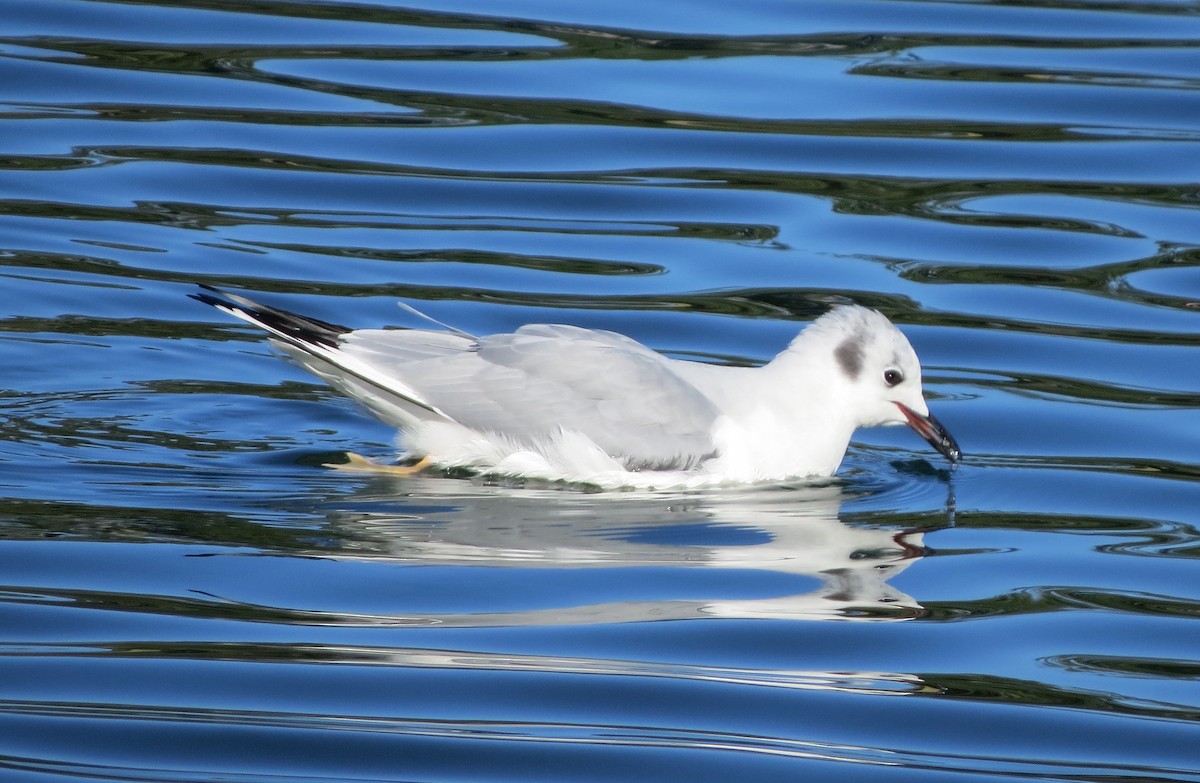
(356, 463)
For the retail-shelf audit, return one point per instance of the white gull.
(565, 403)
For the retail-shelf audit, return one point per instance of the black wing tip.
(301, 328)
(209, 299)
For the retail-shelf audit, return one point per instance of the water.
(186, 595)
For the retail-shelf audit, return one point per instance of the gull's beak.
(932, 430)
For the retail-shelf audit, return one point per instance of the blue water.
(186, 594)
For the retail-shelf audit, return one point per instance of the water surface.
(186, 594)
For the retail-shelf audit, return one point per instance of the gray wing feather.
(401, 346)
(622, 395)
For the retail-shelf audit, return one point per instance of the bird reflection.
(798, 531)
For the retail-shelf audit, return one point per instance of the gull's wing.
(623, 396)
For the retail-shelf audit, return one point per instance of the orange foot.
(356, 463)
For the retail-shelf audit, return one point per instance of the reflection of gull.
(795, 532)
(561, 402)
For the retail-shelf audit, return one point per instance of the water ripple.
(189, 594)
(494, 735)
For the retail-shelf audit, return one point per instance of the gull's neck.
(786, 419)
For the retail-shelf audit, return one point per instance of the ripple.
(509, 743)
(874, 683)
(1046, 599)
(1125, 666)
(188, 594)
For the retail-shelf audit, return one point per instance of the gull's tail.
(320, 347)
(297, 330)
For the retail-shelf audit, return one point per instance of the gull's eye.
(892, 376)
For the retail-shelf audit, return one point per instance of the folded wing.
(623, 396)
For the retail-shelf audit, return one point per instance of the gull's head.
(876, 372)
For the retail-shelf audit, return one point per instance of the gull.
(565, 403)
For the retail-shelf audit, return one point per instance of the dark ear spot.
(849, 356)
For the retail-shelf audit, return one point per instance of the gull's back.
(541, 380)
